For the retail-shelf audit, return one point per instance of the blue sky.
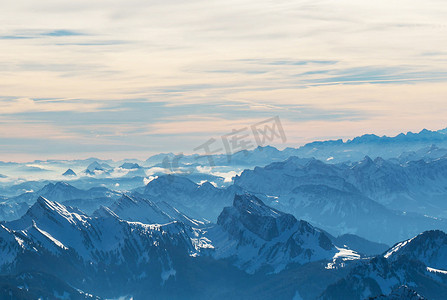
(122, 79)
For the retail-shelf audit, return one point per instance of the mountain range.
(312, 222)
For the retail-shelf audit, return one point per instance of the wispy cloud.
(62, 32)
(128, 73)
(27, 105)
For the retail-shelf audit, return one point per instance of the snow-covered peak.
(62, 229)
(257, 236)
(429, 247)
(50, 212)
(139, 210)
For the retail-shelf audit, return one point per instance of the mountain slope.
(256, 237)
(198, 201)
(403, 264)
(335, 197)
(86, 200)
(131, 208)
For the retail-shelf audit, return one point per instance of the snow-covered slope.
(59, 228)
(103, 246)
(406, 263)
(359, 244)
(137, 209)
(429, 247)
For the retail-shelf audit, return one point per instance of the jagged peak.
(254, 205)
(104, 212)
(44, 207)
(57, 185)
(364, 163)
(127, 199)
(367, 159)
(250, 212)
(44, 202)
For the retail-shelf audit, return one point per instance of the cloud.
(27, 105)
(121, 76)
(62, 32)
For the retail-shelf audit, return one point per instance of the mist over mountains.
(329, 220)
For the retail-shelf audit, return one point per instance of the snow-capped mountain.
(153, 237)
(102, 246)
(406, 263)
(429, 247)
(137, 209)
(86, 200)
(96, 253)
(256, 236)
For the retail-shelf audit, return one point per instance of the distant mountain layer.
(86, 200)
(365, 198)
(69, 172)
(331, 150)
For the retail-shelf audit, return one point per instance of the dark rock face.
(265, 222)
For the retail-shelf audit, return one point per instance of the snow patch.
(433, 270)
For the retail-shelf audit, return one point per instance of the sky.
(128, 79)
